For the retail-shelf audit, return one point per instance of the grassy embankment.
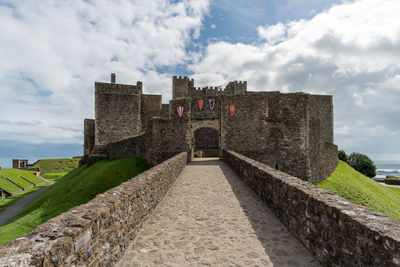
(18, 193)
(54, 169)
(13, 175)
(75, 188)
(395, 189)
(352, 185)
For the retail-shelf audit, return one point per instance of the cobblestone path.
(211, 218)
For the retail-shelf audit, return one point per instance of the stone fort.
(292, 132)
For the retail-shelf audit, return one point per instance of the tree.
(362, 163)
(343, 156)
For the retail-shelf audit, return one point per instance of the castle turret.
(236, 88)
(181, 86)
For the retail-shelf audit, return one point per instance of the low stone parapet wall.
(96, 233)
(336, 231)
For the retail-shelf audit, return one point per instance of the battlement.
(117, 88)
(184, 78)
(183, 86)
(236, 87)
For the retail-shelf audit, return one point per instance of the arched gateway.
(206, 138)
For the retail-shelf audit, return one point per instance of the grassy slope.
(13, 174)
(77, 187)
(395, 189)
(352, 185)
(54, 176)
(6, 185)
(56, 165)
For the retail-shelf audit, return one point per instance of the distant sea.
(384, 168)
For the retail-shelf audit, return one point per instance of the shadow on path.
(281, 246)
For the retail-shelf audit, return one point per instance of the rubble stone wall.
(338, 232)
(96, 233)
(134, 146)
(117, 112)
(88, 141)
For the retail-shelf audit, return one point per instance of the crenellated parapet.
(184, 87)
(181, 86)
(236, 88)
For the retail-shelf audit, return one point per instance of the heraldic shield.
(232, 109)
(180, 111)
(211, 104)
(200, 104)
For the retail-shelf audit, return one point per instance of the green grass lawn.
(352, 185)
(13, 175)
(77, 187)
(395, 189)
(57, 165)
(8, 186)
(54, 176)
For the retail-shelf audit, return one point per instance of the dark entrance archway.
(206, 142)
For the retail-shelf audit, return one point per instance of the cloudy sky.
(51, 52)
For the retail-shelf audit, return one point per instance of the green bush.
(362, 163)
(391, 177)
(343, 156)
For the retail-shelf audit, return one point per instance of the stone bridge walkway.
(211, 218)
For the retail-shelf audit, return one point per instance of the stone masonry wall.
(269, 127)
(338, 232)
(134, 146)
(151, 107)
(321, 149)
(96, 233)
(117, 112)
(166, 137)
(88, 141)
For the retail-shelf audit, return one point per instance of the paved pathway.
(12, 210)
(211, 218)
(45, 180)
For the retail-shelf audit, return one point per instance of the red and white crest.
(232, 109)
(200, 104)
(180, 111)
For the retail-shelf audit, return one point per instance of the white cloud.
(350, 51)
(213, 26)
(52, 52)
(273, 34)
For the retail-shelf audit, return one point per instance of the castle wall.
(181, 86)
(164, 111)
(206, 112)
(290, 132)
(88, 140)
(322, 151)
(166, 137)
(236, 88)
(268, 127)
(117, 112)
(134, 146)
(150, 107)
